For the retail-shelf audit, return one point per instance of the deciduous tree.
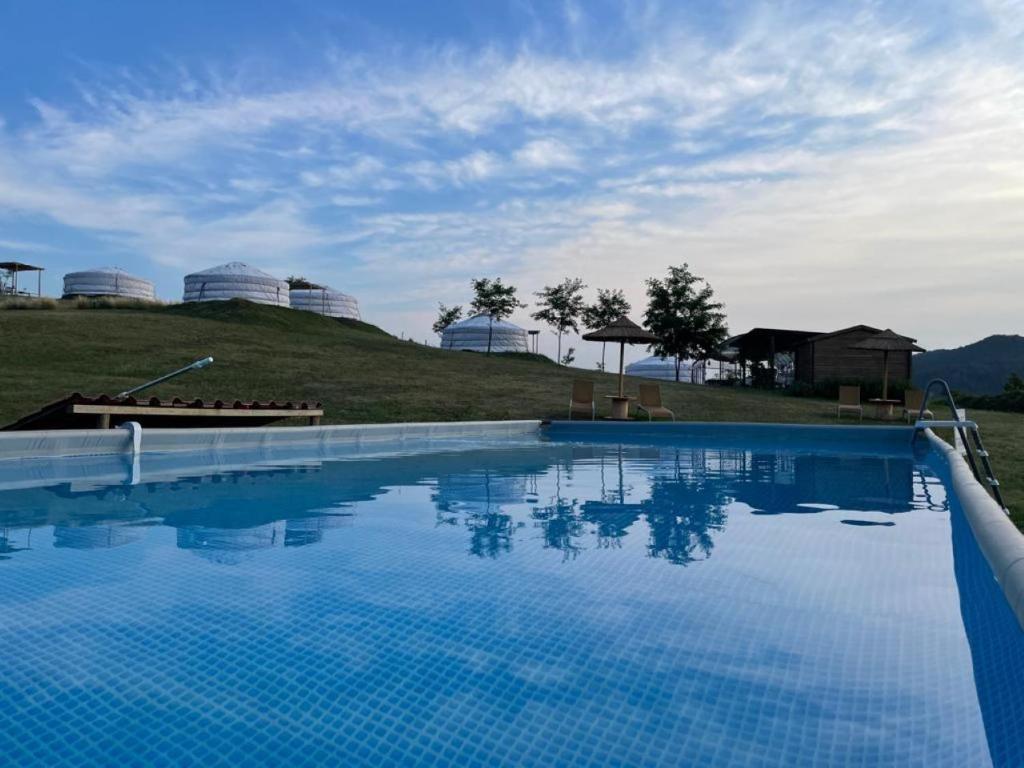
(560, 306)
(609, 307)
(683, 313)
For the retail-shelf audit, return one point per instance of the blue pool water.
(542, 602)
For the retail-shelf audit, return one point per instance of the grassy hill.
(360, 373)
(981, 368)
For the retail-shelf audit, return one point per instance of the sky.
(820, 164)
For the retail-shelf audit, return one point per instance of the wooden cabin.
(830, 357)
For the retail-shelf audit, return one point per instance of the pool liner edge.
(93, 442)
(997, 536)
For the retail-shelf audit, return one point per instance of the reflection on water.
(529, 590)
(568, 498)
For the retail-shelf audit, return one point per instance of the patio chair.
(650, 402)
(582, 399)
(913, 399)
(849, 400)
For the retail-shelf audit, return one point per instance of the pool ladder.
(963, 427)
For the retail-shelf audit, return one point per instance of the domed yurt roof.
(663, 368)
(236, 281)
(472, 334)
(107, 281)
(325, 301)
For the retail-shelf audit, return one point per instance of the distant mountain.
(981, 368)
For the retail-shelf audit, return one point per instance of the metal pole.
(622, 356)
(190, 367)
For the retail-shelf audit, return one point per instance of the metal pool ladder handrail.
(962, 426)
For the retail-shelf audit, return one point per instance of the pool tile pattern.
(552, 605)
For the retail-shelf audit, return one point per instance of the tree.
(495, 299)
(300, 283)
(446, 316)
(1014, 384)
(560, 307)
(609, 307)
(569, 357)
(682, 312)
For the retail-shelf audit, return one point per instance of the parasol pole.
(885, 374)
(622, 355)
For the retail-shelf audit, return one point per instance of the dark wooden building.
(831, 357)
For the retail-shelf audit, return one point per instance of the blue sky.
(821, 164)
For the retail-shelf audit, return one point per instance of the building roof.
(483, 321)
(759, 343)
(17, 266)
(840, 332)
(234, 268)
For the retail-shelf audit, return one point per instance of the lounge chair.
(582, 399)
(650, 402)
(849, 400)
(913, 399)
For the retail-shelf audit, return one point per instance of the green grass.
(359, 373)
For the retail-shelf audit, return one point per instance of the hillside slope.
(981, 368)
(360, 373)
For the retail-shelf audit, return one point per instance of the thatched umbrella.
(624, 331)
(887, 341)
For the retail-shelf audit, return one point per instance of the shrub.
(1008, 401)
(829, 388)
(112, 302)
(27, 302)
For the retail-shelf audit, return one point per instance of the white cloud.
(476, 166)
(354, 201)
(807, 163)
(546, 153)
(25, 246)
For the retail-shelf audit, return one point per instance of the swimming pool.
(584, 598)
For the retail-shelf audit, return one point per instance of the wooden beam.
(150, 410)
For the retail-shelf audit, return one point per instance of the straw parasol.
(885, 342)
(624, 331)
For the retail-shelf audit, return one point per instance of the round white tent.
(474, 334)
(662, 368)
(236, 281)
(325, 301)
(107, 281)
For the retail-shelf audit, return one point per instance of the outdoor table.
(620, 406)
(885, 403)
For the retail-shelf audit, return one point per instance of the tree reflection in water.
(683, 504)
(559, 520)
(566, 496)
(475, 500)
(684, 509)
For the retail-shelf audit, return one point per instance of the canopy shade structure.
(324, 301)
(885, 342)
(9, 280)
(481, 333)
(107, 281)
(763, 343)
(236, 281)
(623, 331)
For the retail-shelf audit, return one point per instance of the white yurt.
(325, 301)
(662, 368)
(236, 281)
(472, 334)
(107, 281)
